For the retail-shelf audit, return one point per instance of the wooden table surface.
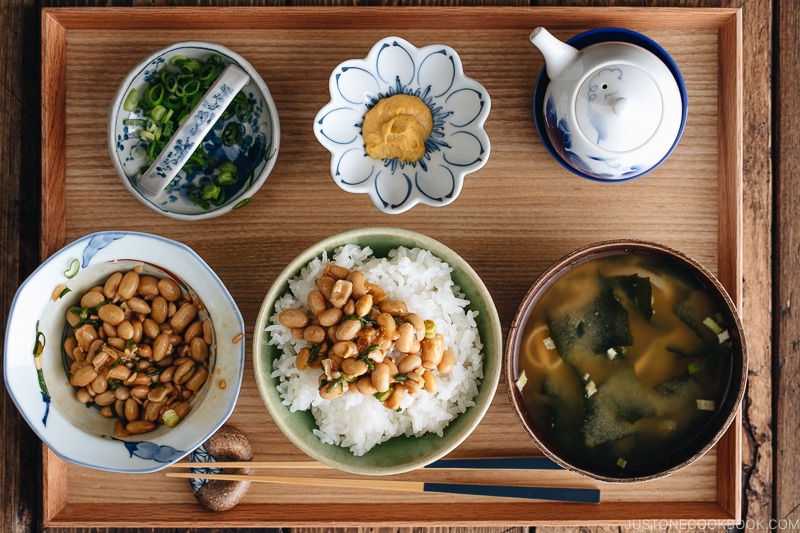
(770, 414)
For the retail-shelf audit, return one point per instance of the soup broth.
(623, 359)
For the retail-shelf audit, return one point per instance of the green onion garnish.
(38, 350)
(694, 368)
(131, 100)
(522, 380)
(706, 405)
(170, 96)
(382, 396)
(242, 203)
(170, 418)
(315, 349)
(430, 329)
(72, 270)
(711, 324)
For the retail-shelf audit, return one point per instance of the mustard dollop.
(397, 128)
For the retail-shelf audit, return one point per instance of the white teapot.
(612, 110)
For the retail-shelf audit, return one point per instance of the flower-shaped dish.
(40, 387)
(399, 453)
(254, 153)
(572, 161)
(457, 145)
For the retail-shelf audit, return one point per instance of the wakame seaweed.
(638, 291)
(601, 325)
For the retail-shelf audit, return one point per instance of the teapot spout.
(558, 55)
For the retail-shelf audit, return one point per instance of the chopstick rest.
(573, 495)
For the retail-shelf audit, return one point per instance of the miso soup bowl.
(586, 405)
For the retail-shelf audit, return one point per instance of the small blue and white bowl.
(457, 146)
(39, 384)
(254, 156)
(610, 104)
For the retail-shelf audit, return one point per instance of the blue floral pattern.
(457, 145)
(210, 109)
(200, 455)
(561, 139)
(151, 451)
(97, 242)
(261, 134)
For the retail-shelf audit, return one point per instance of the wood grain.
(18, 257)
(54, 136)
(522, 200)
(787, 272)
(757, 451)
(20, 489)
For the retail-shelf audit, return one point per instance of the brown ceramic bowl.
(601, 403)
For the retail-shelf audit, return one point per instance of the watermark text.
(783, 524)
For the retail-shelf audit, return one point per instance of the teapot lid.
(628, 100)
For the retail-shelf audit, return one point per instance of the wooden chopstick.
(501, 463)
(574, 495)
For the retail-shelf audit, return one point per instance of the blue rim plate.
(601, 35)
(47, 401)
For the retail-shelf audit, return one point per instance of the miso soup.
(624, 359)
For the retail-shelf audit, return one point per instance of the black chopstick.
(500, 463)
(574, 495)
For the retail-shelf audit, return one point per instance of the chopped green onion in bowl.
(219, 174)
(172, 94)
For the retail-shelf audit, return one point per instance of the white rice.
(360, 422)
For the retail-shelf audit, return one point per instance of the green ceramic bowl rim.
(399, 454)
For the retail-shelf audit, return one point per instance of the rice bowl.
(435, 283)
(423, 281)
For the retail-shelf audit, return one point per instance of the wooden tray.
(514, 217)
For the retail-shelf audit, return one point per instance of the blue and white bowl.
(40, 388)
(457, 146)
(255, 157)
